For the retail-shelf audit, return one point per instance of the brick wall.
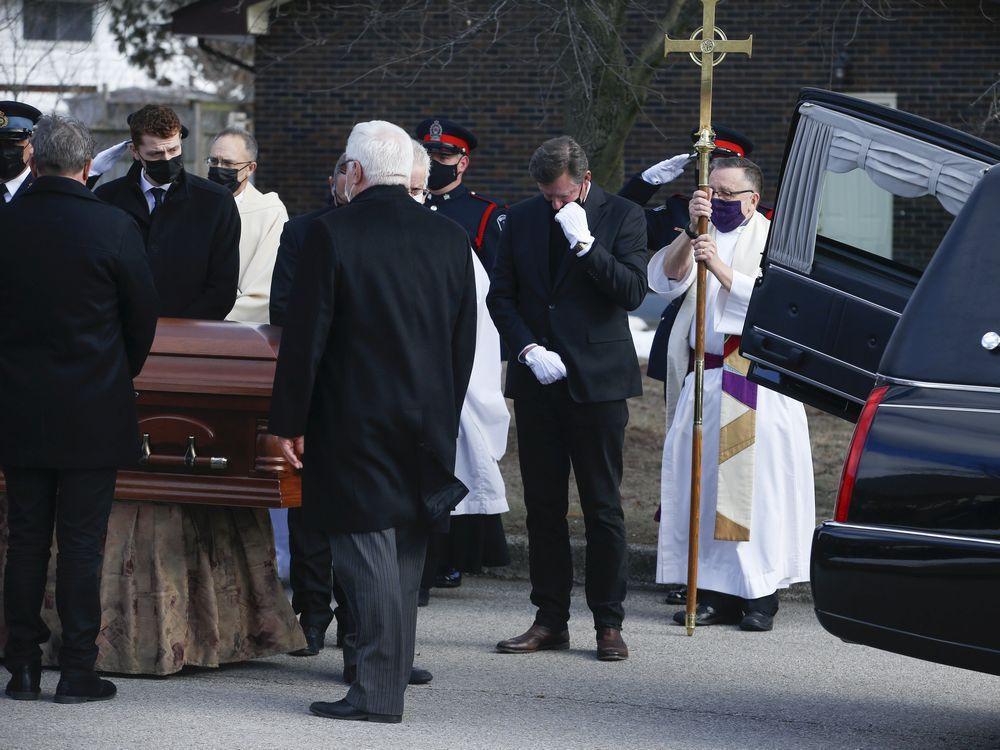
(936, 60)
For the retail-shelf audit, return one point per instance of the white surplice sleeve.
(731, 306)
(662, 284)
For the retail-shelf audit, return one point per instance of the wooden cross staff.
(707, 47)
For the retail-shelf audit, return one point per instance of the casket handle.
(190, 459)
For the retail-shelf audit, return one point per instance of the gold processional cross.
(707, 50)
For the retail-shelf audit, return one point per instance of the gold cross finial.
(708, 41)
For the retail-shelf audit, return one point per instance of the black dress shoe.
(418, 676)
(344, 710)
(83, 688)
(25, 682)
(678, 597)
(757, 622)
(450, 580)
(706, 614)
(423, 597)
(315, 640)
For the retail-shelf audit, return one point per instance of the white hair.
(421, 161)
(384, 152)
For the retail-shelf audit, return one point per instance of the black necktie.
(4, 192)
(158, 195)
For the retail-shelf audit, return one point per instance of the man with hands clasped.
(758, 510)
(571, 264)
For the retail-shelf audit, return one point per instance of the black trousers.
(312, 576)
(553, 433)
(76, 503)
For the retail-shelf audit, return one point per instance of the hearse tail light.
(854, 453)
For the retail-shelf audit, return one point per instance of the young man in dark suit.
(77, 318)
(572, 263)
(376, 391)
(191, 226)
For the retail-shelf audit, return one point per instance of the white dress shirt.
(14, 185)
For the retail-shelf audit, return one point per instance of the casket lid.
(205, 356)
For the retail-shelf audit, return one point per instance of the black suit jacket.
(375, 360)
(192, 242)
(293, 237)
(77, 316)
(582, 314)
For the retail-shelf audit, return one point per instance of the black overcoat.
(293, 237)
(192, 242)
(582, 314)
(375, 359)
(77, 317)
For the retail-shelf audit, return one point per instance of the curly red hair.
(156, 120)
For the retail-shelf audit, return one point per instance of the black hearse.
(879, 301)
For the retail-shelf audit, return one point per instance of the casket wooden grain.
(203, 400)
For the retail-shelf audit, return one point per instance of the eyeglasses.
(225, 164)
(728, 196)
(418, 192)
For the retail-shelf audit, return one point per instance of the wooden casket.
(203, 400)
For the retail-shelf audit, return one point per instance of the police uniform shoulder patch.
(3, 119)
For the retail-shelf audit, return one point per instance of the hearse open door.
(866, 193)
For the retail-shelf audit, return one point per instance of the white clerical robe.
(262, 216)
(482, 428)
(783, 504)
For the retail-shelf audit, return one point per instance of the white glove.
(573, 220)
(106, 159)
(667, 170)
(547, 366)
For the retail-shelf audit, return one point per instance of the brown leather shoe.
(537, 638)
(610, 646)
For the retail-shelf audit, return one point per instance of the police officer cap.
(728, 142)
(128, 121)
(17, 120)
(443, 135)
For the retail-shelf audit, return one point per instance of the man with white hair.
(376, 391)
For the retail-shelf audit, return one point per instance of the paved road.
(793, 688)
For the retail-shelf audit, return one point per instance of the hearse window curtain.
(897, 163)
(793, 235)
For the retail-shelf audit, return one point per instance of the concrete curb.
(641, 567)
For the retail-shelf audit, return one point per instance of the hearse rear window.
(868, 187)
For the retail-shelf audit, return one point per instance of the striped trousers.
(380, 573)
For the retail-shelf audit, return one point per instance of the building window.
(58, 20)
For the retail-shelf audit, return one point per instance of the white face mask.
(348, 186)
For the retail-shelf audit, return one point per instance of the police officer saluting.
(450, 146)
(665, 222)
(17, 121)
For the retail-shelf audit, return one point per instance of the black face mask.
(165, 170)
(11, 161)
(441, 175)
(227, 177)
